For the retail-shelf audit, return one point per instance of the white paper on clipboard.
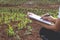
(38, 18)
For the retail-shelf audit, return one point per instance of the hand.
(29, 14)
(47, 17)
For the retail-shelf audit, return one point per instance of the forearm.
(50, 27)
(50, 18)
(55, 27)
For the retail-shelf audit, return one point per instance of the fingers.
(29, 14)
(46, 15)
(46, 18)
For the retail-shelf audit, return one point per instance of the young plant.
(20, 26)
(24, 21)
(0, 20)
(6, 19)
(28, 31)
(10, 31)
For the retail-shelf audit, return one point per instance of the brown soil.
(43, 6)
(33, 36)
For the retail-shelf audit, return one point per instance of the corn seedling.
(10, 31)
(20, 26)
(28, 32)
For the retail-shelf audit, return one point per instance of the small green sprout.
(10, 31)
(20, 26)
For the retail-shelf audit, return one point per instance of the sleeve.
(59, 15)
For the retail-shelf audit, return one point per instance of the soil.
(43, 6)
(33, 36)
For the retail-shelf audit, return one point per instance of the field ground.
(35, 27)
(33, 36)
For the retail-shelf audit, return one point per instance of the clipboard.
(38, 18)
